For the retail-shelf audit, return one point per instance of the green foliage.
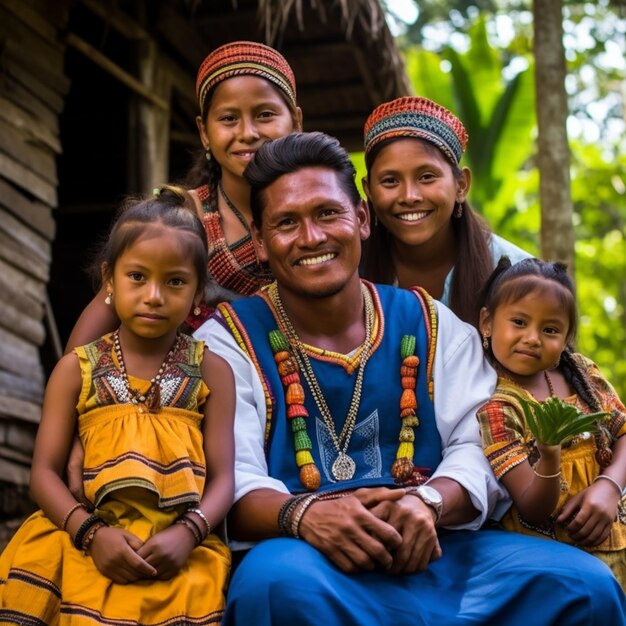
(499, 115)
(599, 193)
(553, 421)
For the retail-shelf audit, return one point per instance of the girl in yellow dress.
(154, 412)
(570, 492)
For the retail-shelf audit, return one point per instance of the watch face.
(430, 494)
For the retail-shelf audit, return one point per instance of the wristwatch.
(430, 496)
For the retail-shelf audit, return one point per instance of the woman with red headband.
(424, 232)
(247, 95)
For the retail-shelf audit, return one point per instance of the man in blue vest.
(360, 474)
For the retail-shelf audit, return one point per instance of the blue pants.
(486, 578)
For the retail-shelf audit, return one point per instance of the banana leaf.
(553, 421)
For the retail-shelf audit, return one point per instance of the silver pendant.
(344, 467)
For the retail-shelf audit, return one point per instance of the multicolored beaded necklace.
(151, 399)
(291, 357)
(344, 466)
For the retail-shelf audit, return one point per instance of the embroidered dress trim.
(235, 266)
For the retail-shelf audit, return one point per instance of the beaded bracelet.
(202, 516)
(199, 530)
(89, 537)
(91, 521)
(297, 518)
(66, 519)
(610, 479)
(191, 528)
(284, 514)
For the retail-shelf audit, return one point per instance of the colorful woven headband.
(242, 58)
(413, 116)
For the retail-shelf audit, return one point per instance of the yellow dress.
(142, 470)
(507, 441)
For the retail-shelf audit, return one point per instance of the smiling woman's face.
(413, 190)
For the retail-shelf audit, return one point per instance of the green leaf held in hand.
(553, 421)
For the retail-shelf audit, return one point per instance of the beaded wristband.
(91, 521)
(66, 519)
(202, 516)
(195, 525)
(191, 528)
(89, 537)
(285, 513)
(297, 518)
(610, 479)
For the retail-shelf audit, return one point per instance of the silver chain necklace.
(344, 466)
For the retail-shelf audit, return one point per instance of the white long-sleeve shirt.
(463, 381)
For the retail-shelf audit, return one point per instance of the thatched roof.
(342, 53)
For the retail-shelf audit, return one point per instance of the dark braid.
(576, 376)
(510, 283)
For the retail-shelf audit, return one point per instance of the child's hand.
(168, 550)
(589, 514)
(549, 453)
(114, 552)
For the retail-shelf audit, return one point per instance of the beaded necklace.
(403, 469)
(344, 466)
(151, 399)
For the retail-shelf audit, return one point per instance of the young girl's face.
(529, 335)
(413, 190)
(154, 282)
(245, 112)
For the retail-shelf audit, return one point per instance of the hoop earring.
(107, 300)
(485, 343)
(207, 154)
(458, 210)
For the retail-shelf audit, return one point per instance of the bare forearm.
(52, 495)
(535, 491)
(457, 505)
(255, 516)
(217, 499)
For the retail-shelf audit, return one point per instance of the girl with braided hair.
(247, 95)
(571, 492)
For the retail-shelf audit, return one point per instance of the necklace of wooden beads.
(150, 400)
(344, 466)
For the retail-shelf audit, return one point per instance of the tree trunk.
(557, 229)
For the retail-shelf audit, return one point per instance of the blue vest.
(374, 441)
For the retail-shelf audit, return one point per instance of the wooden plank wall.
(32, 92)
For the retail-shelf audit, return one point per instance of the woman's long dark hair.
(473, 260)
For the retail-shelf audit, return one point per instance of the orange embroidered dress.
(141, 470)
(507, 442)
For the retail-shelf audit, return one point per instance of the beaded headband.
(243, 58)
(413, 116)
